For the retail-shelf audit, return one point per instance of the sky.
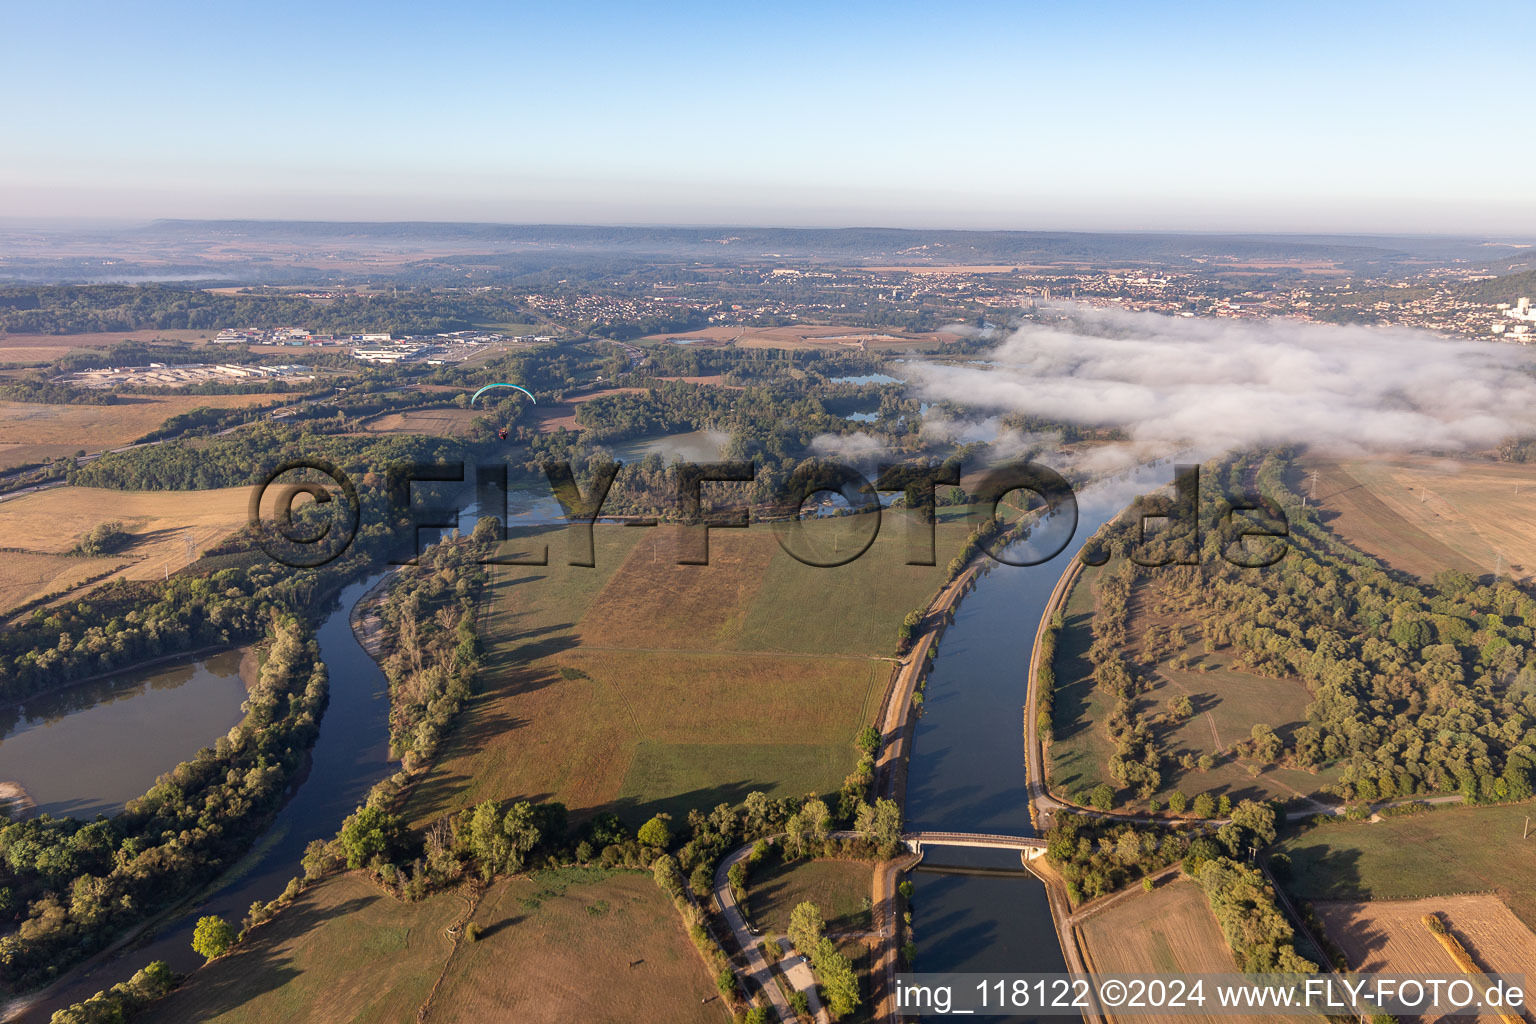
(1399, 118)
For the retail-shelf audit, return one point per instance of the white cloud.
(1220, 384)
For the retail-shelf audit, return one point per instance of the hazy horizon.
(1306, 119)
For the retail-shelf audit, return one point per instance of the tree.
(367, 836)
(868, 740)
(701, 881)
(1102, 797)
(487, 841)
(1178, 802)
(837, 978)
(656, 832)
(487, 529)
(669, 878)
(521, 827)
(212, 937)
(806, 927)
(1266, 745)
(883, 824)
(1204, 806)
(737, 877)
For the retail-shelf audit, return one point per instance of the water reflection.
(90, 748)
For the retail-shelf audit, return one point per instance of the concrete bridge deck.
(1030, 846)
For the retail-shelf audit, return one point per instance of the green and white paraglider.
(503, 384)
(502, 433)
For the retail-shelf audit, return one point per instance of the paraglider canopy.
(503, 384)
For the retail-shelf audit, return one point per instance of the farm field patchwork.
(45, 348)
(1423, 515)
(1442, 852)
(806, 336)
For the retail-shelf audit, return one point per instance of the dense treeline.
(87, 309)
(434, 653)
(1261, 938)
(123, 1000)
(75, 885)
(1416, 688)
(242, 458)
(1097, 856)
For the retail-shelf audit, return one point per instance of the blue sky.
(1401, 117)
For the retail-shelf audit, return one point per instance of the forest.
(1416, 688)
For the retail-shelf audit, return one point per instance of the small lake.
(90, 748)
(693, 446)
(868, 378)
(349, 756)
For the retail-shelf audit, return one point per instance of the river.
(349, 756)
(967, 768)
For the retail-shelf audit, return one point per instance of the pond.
(349, 756)
(868, 378)
(90, 748)
(693, 446)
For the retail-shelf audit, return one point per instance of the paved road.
(750, 945)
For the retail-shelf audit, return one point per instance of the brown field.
(46, 524)
(441, 422)
(44, 348)
(554, 947)
(32, 432)
(1391, 937)
(1169, 930)
(654, 602)
(805, 336)
(568, 956)
(1423, 515)
(554, 415)
(30, 574)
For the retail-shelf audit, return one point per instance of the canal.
(967, 768)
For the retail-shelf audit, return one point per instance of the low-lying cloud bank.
(1222, 384)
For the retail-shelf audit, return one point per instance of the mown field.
(1227, 702)
(554, 947)
(1169, 931)
(1390, 937)
(31, 432)
(1443, 852)
(841, 889)
(644, 685)
(1423, 515)
(45, 348)
(30, 574)
(46, 525)
(443, 422)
